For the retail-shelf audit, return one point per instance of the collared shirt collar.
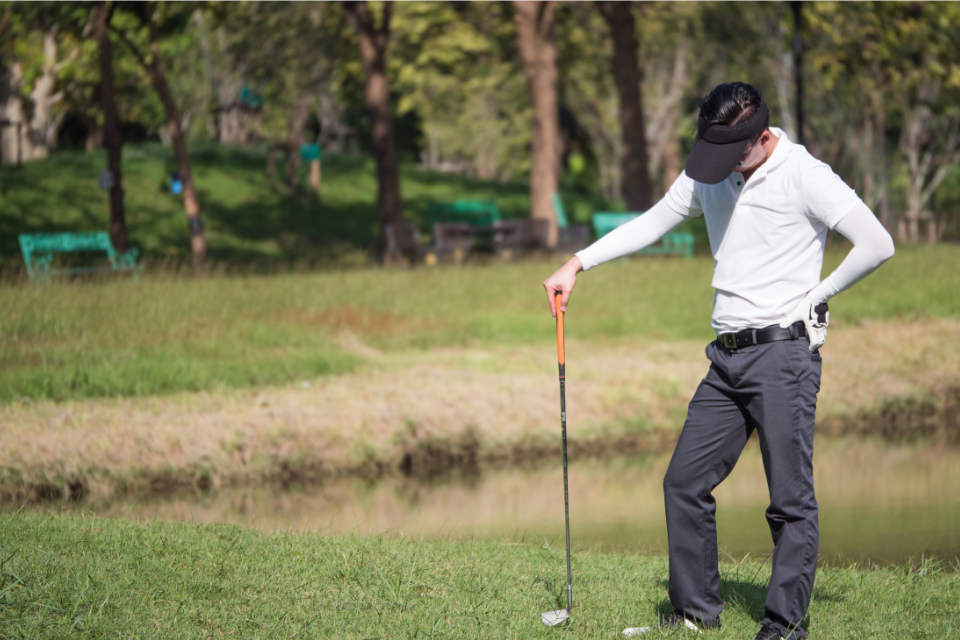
(784, 147)
(779, 156)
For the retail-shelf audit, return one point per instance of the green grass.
(248, 223)
(166, 334)
(87, 577)
(90, 338)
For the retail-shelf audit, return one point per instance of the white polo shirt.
(767, 236)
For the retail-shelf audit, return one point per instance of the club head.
(553, 618)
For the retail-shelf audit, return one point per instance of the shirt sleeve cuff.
(585, 260)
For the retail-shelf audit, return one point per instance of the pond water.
(878, 502)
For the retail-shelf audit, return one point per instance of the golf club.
(553, 618)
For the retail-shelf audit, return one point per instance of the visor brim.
(711, 163)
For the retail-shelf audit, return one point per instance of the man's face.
(754, 154)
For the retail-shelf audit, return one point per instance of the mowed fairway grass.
(166, 333)
(85, 577)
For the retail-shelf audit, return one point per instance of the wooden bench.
(478, 213)
(453, 239)
(512, 238)
(404, 246)
(39, 249)
(672, 244)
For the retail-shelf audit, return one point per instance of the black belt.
(750, 337)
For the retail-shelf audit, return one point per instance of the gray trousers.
(771, 388)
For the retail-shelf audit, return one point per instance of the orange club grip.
(557, 300)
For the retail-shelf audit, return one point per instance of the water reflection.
(878, 502)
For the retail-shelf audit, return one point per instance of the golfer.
(768, 205)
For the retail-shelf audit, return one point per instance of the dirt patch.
(351, 319)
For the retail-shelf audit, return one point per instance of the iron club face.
(553, 618)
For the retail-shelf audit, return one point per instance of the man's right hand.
(562, 281)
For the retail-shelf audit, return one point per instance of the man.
(768, 205)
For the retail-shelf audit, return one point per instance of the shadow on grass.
(749, 596)
(248, 220)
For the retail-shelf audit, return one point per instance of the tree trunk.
(931, 146)
(208, 66)
(297, 124)
(867, 150)
(373, 48)
(191, 203)
(93, 139)
(11, 114)
(797, 8)
(231, 120)
(538, 54)
(628, 75)
(111, 129)
(663, 140)
(42, 97)
(781, 74)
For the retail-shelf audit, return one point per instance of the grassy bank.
(66, 576)
(423, 411)
(164, 334)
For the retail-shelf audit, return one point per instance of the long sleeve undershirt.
(628, 238)
(872, 245)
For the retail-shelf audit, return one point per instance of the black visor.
(717, 152)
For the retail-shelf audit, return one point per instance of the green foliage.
(452, 67)
(298, 49)
(93, 577)
(887, 49)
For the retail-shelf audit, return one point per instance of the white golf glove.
(815, 317)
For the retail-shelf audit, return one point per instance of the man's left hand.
(815, 317)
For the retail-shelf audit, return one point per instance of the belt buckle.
(729, 340)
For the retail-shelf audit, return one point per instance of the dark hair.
(729, 104)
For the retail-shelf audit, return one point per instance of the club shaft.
(561, 359)
(566, 491)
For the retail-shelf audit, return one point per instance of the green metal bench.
(672, 244)
(477, 213)
(39, 248)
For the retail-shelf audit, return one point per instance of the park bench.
(672, 244)
(571, 237)
(512, 238)
(453, 239)
(478, 213)
(404, 245)
(39, 249)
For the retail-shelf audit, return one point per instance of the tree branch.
(73, 55)
(58, 119)
(111, 7)
(133, 48)
(950, 155)
(387, 14)
(154, 41)
(4, 22)
(3, 27)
